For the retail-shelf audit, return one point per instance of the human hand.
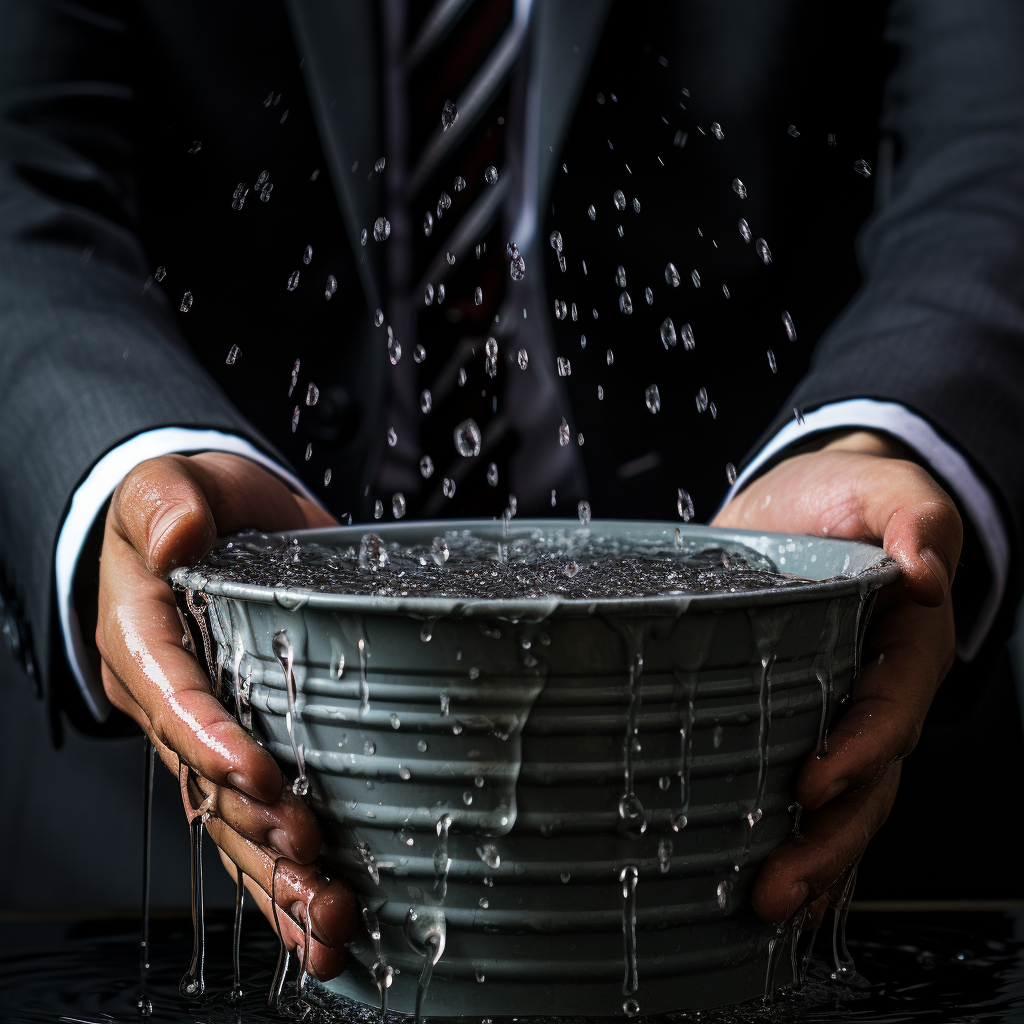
(167, 512)
(858, 488)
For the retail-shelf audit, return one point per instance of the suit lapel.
(338, 46)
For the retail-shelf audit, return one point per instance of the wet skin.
(168, 511)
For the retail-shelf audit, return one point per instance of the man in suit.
(292, 169)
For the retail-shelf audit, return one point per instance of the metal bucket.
(469, 760)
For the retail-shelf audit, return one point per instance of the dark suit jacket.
(101, 102)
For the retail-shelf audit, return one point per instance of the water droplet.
(787, 322)
(563, 433)
(739, 188)
(462, 377)
(396, 722)
(686, 333)
(419, 353)
(649, 296)
(619, 200)
(491, 175)
(467, 438)
(394, 350)
(378, 509)
(369, 748)
(312, 394)
(573, 313)
(745, 230)
(483, 904)
(517, 265)
(793, 131)
(428, 224)
(771, 360)
(362, 235)
(724, 888)
(862, 167)
(636, 205)
(668, 333)
(702, 399)
(600, 393)
(592, 212)
(570, 569)
(331, 287)
(716, 130)
(609, 357)
(373, 554)
(664, 854)
(392, 437)
(186, 302)
(625, 303)
(725, 291)
(265, 194)
(295, 419)
(293, 280)
(381, 229)
(763, 251)
(449, 115)
(798, 415)
(564, 369)
(309, 451)
(307, 255)
(404, 773)
(488, 853)
(555, 238)
(233, 353)
(161, 273)
(428, 295)
(672, 275)
(620, 231)
(460, 183)
(478, 296)
(492, 474)
(684, 505)
(716, 736)
(448, 486)
(327, 476)
(491, 347)
(444, 202)
(664, 782)
(561, 309)
(583, 341)
(398, 505)
(439, 550)
(524, 359)
(620, 277)
(583, 511)
(426, 465)
(730, 473)
(378, 318)
(653, 398)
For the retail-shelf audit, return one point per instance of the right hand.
(168, 512)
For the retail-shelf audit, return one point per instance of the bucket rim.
(875, 569)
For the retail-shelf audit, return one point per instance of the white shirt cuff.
(90, 497)
(917, 434)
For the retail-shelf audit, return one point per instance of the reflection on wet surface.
(922, 966)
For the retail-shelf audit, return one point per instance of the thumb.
(170, 509)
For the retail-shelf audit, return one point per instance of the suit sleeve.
(89, 351)
(938, 325)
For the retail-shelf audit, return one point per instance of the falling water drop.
(672, 275)
(468, 439)
(787, 322)
(653, 398)
(739, 188)
(619, 200)
(449, 115)
(427, 467)
(381, 229)
(763, 251)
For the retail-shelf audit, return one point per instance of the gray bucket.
(509, 717)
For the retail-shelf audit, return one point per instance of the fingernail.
(798, 892)
(934, 561)
(834, 790)
(242, 782)
(163, 524)
(278, 840)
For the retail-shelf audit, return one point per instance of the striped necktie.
(450, 295)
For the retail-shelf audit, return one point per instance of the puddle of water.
(924, 967)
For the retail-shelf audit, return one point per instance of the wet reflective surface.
(922, 967)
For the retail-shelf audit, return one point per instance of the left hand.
(858, 488)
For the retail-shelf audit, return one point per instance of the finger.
(861, 497)
(831, 839)
(332, 905)
(907, 654)
(287, 826)
(139, 636)
(324, 962)
(170, 509)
